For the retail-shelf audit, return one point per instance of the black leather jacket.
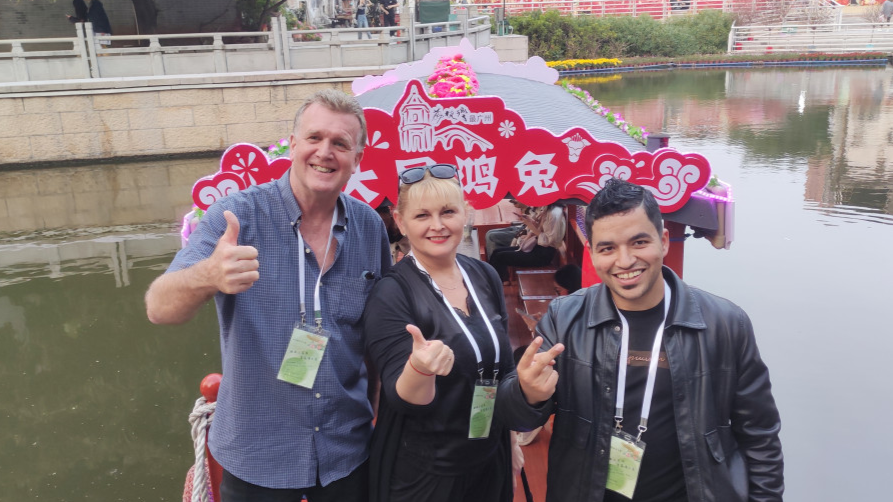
(726, 417)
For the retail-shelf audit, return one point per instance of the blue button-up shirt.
(269, 432)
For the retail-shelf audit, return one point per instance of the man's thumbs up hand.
(231, 235)
(234, 268)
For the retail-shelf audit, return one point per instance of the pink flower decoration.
(452, 77)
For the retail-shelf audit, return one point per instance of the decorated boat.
(513, 131)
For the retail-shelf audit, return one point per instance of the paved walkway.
(855, 14)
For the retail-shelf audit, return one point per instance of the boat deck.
(536, 453)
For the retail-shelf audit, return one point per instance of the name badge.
(483, 404)
(303, 357)
(624, 463)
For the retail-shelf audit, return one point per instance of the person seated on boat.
(545, 230)
(289, 277)
(399, 242)
(568, 279)
(695, 389)
(436, 331)
(501, 237)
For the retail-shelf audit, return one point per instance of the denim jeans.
(363, 22)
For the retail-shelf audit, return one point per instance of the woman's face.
(433, 224)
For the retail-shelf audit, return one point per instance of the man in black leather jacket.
(712, 434)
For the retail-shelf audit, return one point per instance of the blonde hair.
(339, 102)
(430, 187)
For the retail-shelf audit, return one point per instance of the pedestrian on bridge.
(887, 10)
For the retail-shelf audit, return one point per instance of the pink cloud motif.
(241, 166)
(677, 176)
(210, 189)
(669, 175)
(252, 164)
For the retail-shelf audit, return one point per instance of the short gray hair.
(340, 102)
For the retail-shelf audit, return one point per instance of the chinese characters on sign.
(494, 150)
(497, 155)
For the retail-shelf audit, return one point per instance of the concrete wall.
(511, 48)
(46, 18)
(100, 196)
(154, 116)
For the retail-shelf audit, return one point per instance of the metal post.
(676, 255)
(500, 30)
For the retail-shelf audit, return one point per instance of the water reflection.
(838, 122)
(98, 196)
(811, 261)
(95, 400)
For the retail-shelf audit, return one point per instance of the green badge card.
(483, 404)
(302, 358)
(624, 464)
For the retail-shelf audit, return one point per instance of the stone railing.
(87, 55)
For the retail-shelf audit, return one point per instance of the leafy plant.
(554, 37)
(257, 13)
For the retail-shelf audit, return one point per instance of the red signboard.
(498, 155)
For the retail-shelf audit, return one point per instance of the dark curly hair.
(619, 196)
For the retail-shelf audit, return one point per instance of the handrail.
(275, 50)
(827, 38)
(845, 26)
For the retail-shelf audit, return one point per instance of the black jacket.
(726, 418)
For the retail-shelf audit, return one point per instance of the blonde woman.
(436, 331)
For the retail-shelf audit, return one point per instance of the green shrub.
(553, 37)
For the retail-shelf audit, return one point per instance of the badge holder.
(627, 451)
(625, 461)
(483, 406)
(307, 345)
(304, 354)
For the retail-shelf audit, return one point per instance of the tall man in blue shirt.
(271, 256)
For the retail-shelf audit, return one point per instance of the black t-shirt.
(661, 478)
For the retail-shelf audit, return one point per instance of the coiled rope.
(200, 419)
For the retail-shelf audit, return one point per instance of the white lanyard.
(652, 368)
(474, 296)
(317, 306)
